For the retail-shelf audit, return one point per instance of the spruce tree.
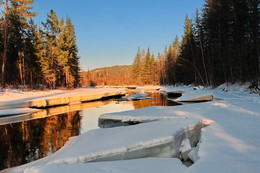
(51, 31)
(70, 52)
(18, 14)
(137, 67)
(146, 71)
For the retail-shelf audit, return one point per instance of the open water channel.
(32, 139)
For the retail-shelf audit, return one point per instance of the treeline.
(115, 75)
(36, 55)
(221, 44)
(145, 68)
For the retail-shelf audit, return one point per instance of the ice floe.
(155, 139)
(140, 95)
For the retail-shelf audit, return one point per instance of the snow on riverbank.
(231, 144)
(22, 99)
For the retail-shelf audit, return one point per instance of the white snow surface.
(145, 114)
(13, 97)
(153, 165)
(153, 139)
(229, 145)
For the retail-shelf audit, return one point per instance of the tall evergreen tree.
(137, 67)
(5, 42)
(68, 57)
(172, 55)
(17, 16)
(146, 71)
(186, 64)
(51, 31)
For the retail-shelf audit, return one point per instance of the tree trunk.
(5, 44)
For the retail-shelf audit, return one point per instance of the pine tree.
(51, 31)
(32, 68)
(146, 71)
(161, 68)
(17, 16)
(137, 68)
(69, 58)
(154, 71)
(186, 71)
(5, 43)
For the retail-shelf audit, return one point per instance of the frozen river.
(30, 140)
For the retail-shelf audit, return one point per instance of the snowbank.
(10, 99)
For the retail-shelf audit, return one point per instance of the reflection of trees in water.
(158, 100)
(24, 142)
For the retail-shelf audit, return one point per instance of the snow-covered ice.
(151, 165)
(148, 114)
(230, 144)
(10, 99)
(140, 95)
(156, 139)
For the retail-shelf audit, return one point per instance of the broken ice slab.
(174, 93)
(202, 98)
(137, 116)
(155, 139)
(140, 95)
(151, 165)
(195, 96)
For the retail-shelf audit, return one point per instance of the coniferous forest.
(220, 44)
(36, 55)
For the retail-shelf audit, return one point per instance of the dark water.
(35, 138)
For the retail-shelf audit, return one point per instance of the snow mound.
(237, 87)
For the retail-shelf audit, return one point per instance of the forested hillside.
(36, 55)
(116, 75)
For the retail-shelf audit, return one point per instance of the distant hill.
(115, 75)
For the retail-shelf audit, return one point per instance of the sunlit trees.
(51, 30)
(145, 68)
(137, 67)
(33, 55)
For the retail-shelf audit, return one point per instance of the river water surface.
(30, 140)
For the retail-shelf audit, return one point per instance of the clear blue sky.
(109, 32)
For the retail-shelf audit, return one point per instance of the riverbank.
(229, 143)
(10, 99)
